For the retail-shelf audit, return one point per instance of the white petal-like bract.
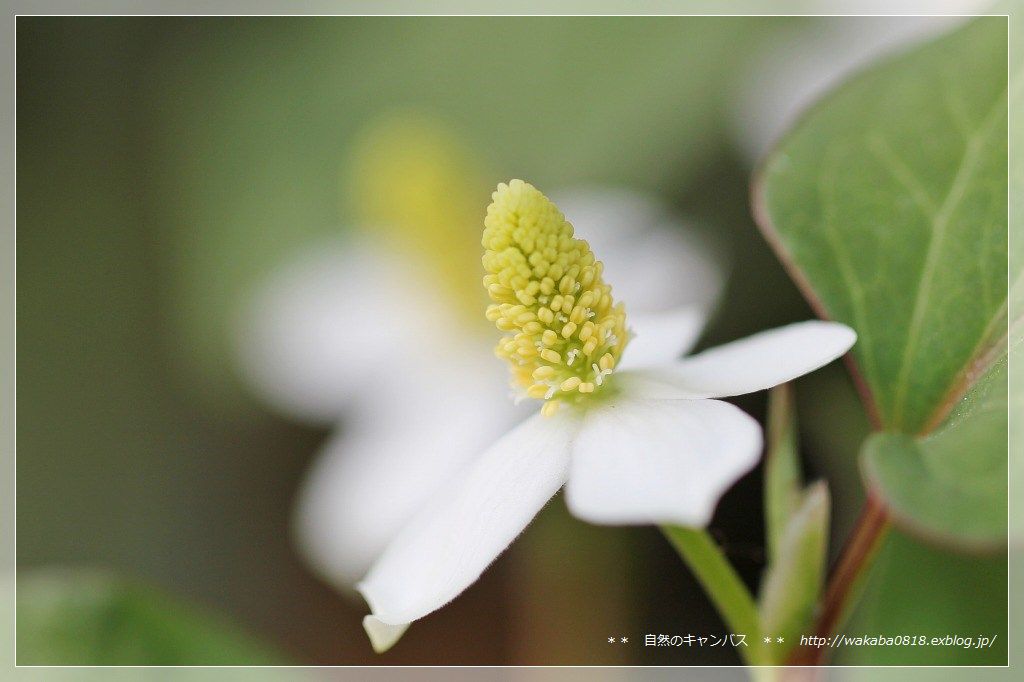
(328, 322)
(470, 521)
(751, 364)
(660, 338)
(394, 449)
(641, 461)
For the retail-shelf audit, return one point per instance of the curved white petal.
(470, 521)
(395, 447)
(652, 260)
(324, 324)
(757, 362)
(639, 461)
(660, 338)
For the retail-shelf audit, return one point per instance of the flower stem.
(847, 580)
(721, 583)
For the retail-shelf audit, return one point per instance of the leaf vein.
(955, 194)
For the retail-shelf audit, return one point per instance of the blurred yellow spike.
(411, 181)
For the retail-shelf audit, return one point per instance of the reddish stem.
(847, 578)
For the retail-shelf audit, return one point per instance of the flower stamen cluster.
(564, 332)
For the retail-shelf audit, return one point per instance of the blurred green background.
(166, 164)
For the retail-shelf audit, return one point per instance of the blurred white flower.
(352, 331)
(347, 333)
(819, 53)
(633, 432)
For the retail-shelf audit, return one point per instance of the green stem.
(721, 583)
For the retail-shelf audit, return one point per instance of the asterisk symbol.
(780, 640)
(767, 640)
(624, 640)
(611, 640)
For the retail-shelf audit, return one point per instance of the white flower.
(354, 332)
(648, 444)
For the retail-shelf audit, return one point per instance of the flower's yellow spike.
(411, 180)
(565, 334)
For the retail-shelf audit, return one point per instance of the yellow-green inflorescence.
(564, 332)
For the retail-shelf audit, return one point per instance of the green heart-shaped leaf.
(888, 204)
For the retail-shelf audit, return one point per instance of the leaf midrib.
(940, 220)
